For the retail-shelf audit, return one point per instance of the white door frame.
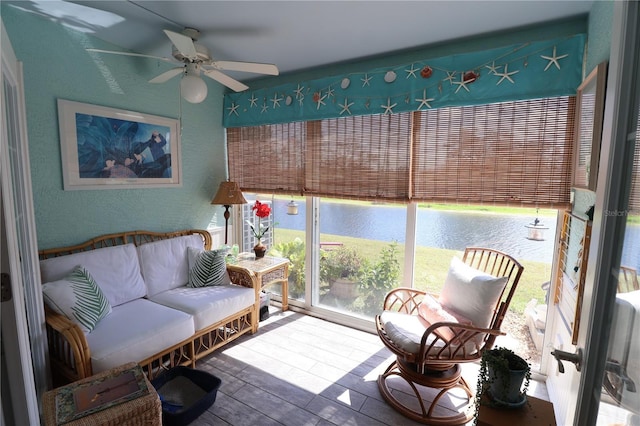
(576, 395)
(19, 253)
(611, 196)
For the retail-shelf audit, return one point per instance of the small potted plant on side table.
(501, 378)
(262, 211)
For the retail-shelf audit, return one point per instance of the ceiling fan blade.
(231, 83)
(165, 76)
(254, 67)
(183, 43)
(113, 52)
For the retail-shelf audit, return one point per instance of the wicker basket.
(144, 409)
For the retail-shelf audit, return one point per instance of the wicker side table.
(267, 270)
(144, 409)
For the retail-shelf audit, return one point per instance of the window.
(513, 153)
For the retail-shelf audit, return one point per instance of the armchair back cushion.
(119, 285)
(164, 264)
(471, 293)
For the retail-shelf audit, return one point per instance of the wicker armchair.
(432, 358)
(628, 280)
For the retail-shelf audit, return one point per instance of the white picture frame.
(109, 148)
(588, 130)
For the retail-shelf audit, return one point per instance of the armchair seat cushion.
(406, 331)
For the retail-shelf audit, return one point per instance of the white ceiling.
(297, 35)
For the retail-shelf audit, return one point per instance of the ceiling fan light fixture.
(193, 88)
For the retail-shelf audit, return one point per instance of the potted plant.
(262, 211)
(341, 268)
(503, 379)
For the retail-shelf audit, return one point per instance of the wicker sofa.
(155, 319)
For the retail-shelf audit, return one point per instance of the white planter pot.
(344, 288)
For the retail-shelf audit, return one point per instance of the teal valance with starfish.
(520, 71)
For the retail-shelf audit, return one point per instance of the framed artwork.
(588, 134)
(107, 148)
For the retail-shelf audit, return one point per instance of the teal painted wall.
(598, 50)
(56, 65)
(599, 44)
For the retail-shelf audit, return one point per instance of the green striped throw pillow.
(207, 267)
(79, 298)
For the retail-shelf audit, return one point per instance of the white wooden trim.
(19, 359)
(410, 244)
(608, 230)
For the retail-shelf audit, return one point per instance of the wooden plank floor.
(300, 370)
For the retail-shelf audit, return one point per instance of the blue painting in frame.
(108, 148)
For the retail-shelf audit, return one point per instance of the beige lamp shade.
(228, 193)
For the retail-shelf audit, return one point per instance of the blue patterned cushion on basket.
(206, 267)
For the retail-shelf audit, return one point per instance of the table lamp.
(228, 194)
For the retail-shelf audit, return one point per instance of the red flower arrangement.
(261, 210)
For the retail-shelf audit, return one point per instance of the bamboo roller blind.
(512, 153)
(268, 158)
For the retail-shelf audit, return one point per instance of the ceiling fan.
(196, 59)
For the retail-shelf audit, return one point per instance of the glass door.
(362, 250)
(620, 397)
(609, 333)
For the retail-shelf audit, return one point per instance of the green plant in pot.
(342, 270)
(503, 379)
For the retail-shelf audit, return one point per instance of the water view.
(440, 229)
(444, 229)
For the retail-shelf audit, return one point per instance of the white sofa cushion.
(164, 264)
(78, 298)
(208, 305)
(115, 269)
(135, 331)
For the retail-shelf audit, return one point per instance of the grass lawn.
(432, 265)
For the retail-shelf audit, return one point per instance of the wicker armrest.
(68, 349)
(403, 299)
(466, 343)
(241, 276)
